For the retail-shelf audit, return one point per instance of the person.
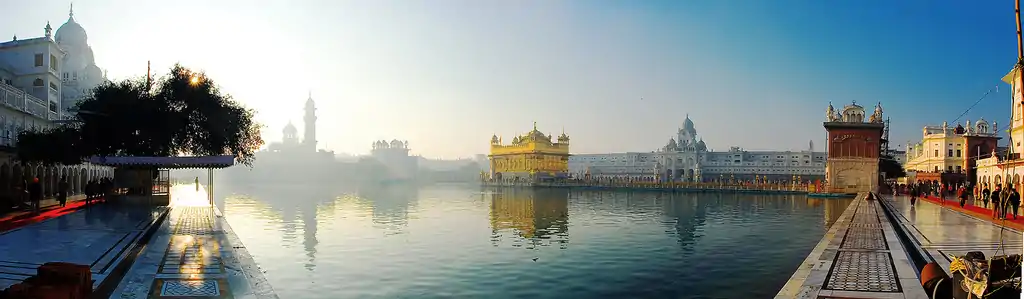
(197, 184)
(35, 194)
(914, 192)
(62, 191)
(962, 195)
(1014, 201)
(985, 193)
(996, 193)
(90, 191)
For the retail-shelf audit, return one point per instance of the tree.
(183, 113)
(890, 167)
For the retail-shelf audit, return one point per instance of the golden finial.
(534, 125)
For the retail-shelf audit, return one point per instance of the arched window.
(37, 82)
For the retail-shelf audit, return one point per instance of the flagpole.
(148, 82)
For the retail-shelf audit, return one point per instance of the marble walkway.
(859, 257)
(194, 255)
(101, 236)
(941, 232)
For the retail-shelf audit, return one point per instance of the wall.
(854, 142)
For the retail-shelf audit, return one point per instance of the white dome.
(71, 31)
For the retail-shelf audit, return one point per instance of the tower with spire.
(309, 138)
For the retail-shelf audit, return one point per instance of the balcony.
(16, 99)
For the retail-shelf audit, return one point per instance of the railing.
(16, 99)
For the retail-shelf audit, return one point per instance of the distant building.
(531, 156)
(399, 166)
(290, 141)
(951, 150)
(686, 158)
(900, 156)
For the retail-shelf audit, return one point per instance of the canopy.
(167, 162)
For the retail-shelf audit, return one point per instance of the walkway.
(195, 254)
(859, 257)
(100, 236)
(942, 231)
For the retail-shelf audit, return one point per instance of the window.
(37, 82)
(53, 62)
(949, 168)
(958, 170)
(39, 59)
(936, 153)
(949, 153)
(958, 154)
(54, 86)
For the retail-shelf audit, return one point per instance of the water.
(455, 241)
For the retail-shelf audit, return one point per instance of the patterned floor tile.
(863, 271)
(190, 288)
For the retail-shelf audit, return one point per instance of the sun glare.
(187, 195)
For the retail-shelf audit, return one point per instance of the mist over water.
(456, 240)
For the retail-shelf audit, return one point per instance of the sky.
(616, 76)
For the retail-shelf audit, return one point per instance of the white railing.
(12, 97)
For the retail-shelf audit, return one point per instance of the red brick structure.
(854, 146)
(978, 147)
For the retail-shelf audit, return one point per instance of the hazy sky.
(446, 75)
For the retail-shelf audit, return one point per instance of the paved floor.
(194, 255)
(942, 232)
(99, 236)
(859, 257)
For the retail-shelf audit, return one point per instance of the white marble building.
(30, 86)
(687, 158)
(79, 74)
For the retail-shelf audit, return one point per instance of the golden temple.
(530, 156)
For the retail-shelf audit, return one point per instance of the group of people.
(1005, 201)
(31, 191)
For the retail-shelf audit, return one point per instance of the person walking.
(1014, 201)
(62, 191)
(996, 193)
(35, 194)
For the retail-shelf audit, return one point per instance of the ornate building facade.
(854, 147)
(531, 156)
(686, 158)
(31, 93)
(951, 151)
(1007, 169)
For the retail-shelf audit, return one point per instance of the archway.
(83, 179)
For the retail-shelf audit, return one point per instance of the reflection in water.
(390, 205)
(457, 242)
(540, 216)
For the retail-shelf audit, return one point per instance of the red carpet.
(15, 221)
(979, 212)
